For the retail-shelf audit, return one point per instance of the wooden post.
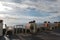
(6, 29)
(13, 31)
(22, 29)
(25, 31)
(16, 29)
(19, 29)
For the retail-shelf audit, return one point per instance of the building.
(46, 24)
(57, 24)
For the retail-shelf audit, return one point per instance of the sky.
(14, 12)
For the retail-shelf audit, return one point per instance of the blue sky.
(22, 11)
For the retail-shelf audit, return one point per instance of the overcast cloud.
(23, 11)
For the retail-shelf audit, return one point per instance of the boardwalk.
(38, 36)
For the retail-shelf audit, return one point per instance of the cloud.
(15, 19)
(43, 6)
(14, 12)
(4, 8)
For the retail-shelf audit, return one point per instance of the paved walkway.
(39, 36)
(55, 33)
(11, 37)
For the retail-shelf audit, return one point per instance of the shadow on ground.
(2, 38)
(13, 37)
